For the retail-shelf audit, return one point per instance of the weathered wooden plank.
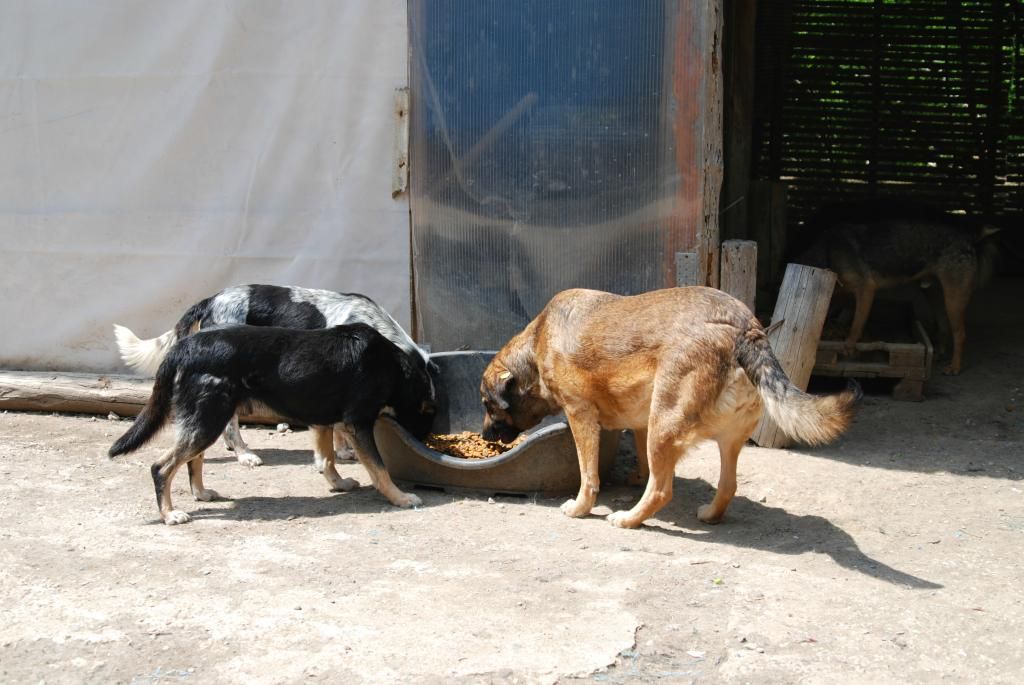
(400, 172)
(909, 362)
(693, 61)
(84, 393)
(688, 269)
(870, 370)
(739, 270)
(909, 390)
(912, 357)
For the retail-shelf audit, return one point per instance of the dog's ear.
(504, 384)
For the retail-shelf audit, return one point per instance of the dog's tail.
(145, 355)
(153, 416)
(810, 419)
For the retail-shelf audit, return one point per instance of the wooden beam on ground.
(794, 334)
(739, 270)
(85, 393)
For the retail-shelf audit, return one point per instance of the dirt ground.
(893, 555)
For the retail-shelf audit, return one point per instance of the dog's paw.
(623, 519)
(951, 370)
(344, 484)
(707, 514)
(206, 495)
(174, 517)
(406, 500)
(249, 459)
(574, 510)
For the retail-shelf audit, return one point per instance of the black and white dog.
(334, 379)
(268, 305)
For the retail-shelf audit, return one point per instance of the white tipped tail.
(143, 355)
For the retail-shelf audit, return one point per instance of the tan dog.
(676, 366)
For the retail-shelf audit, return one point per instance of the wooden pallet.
(910, 362)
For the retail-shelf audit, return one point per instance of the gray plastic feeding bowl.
(545, 462)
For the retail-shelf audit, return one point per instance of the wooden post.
(739, 270)
(694, 122)
(688, 269)
(400, 172)
(84, 393)
(798, 320)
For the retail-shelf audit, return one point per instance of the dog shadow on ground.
(755, 525)
(270, 457)
(749, 524)
(363, 500)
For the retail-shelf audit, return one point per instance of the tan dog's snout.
(499, 421)
(498, 430)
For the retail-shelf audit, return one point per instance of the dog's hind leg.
(195, 481)
(204, 407)
(675, 425)
(586, 431)
(343, 449)
(956, 291)
(163, 472)
(234, 442)
(864, 292)
(323, 452)
(730, 443)
(361, 439)
(667, 448)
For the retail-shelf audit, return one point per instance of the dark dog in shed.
(268, 305)
(342, 377)
(886, 243)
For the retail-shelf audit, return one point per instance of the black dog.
(266, 305)
(335, 378)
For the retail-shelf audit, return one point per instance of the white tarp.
(154, 152)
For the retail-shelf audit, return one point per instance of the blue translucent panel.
(541, 158)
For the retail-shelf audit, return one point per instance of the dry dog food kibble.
(469, 445)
